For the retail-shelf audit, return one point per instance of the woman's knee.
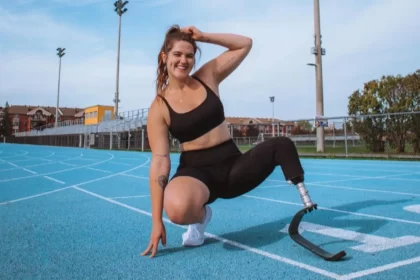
(282, 142)
(176, 209)
(184, 200)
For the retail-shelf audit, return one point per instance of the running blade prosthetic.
(298, 238)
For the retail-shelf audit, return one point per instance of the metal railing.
(393, 135)
(125, 121)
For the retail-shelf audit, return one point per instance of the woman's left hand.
(195, 33)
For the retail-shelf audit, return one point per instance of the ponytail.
(162, 75)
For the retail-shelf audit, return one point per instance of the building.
(28, 117)
(98, 113)
(246, 126)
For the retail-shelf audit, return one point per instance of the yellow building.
(98, 113)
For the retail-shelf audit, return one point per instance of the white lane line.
(33, 196)
(323, 208)
(79, 184)
(365, 190)
(360, 178)
(224, 240)
(19, 167)
(413, 208)
(100, 170)
(69, 164)
(27, 170)
(55, 180)
(22, 160)
(355, 163)
(338, 175)
(371, 170)
(112, 175)
(124, 164)
(44, 159)
(390, 177)
(16, 155)
(128, 197)
(36, 158)
(47, 163)
(59, 171)
(336, 210)
(57, 161)
(344, 188)
(88, 159)
(127, 158)
(135, 176)
(379, 269)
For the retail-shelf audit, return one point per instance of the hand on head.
(195, 33)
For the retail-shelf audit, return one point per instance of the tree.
(302, 127)
(6, 122)
(397, 99)
(370, 129)
(236, 132)
(390, 96)
(252, 130)
(412, 85)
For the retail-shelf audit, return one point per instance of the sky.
(363, 39)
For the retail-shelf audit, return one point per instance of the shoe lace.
(192, 232)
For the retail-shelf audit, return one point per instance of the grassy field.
(339, 151)
(356, 152)
(328, 149)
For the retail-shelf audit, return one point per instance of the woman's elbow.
(160, 164)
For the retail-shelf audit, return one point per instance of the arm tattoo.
(161, 155)
(163, 181)
(227, 63)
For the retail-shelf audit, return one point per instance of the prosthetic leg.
(294, 224)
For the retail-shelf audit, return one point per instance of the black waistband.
(211, 155)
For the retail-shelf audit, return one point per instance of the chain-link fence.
(134, 139)
(394, 135)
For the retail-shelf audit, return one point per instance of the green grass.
(328, 149)
(339, 149)
(353, 152)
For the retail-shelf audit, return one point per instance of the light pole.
(272, 98)
(120, 10)
(60, 53)
(318, 51)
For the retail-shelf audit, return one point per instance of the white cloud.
(33, 79)
(29, 74)
(77, 2)
(38, 29)
(362, 43)
(150, 3)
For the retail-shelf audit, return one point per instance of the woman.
(211, 166)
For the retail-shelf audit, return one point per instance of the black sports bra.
(200, 120)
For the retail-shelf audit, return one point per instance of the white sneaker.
(194, 236)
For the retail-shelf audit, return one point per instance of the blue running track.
(85, 214)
